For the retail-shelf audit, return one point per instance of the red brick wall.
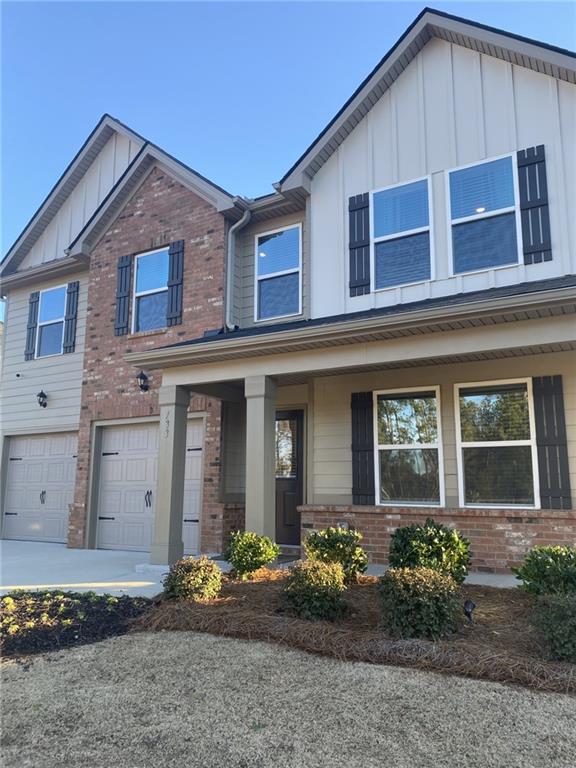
(499, 538)
(161, 211)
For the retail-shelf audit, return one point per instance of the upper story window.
(497, 455)
(408, 448)
(278, 273)
(150, 291)
(51, 313)
(401, 234)
(484, 215)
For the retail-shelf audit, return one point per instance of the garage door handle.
(42, 497)
(100, 517)
(189, 520)
(8, 514)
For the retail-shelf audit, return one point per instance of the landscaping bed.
(33, 622)
(500, 644)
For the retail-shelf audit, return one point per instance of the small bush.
(548, 569)
(248, 551)
(418, 602)
(314, 590)
(338, 545)
(32, 622)
(555, 618)
(194, 579)
(431, 545)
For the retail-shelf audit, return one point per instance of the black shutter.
(175, 275)
(536, 242)
(551, 442)
(363, 490)
(359, 244)
(123, 291)
(30, 350)
(70, 317)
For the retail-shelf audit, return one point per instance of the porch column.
(260, 394)
(167, 546)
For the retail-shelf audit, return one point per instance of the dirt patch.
(500, 645)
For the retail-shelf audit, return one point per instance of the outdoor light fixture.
(142, 380)
(42, 398)
(469, 606)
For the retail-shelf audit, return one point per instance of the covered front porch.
(351, 469)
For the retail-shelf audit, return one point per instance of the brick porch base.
(499, 537)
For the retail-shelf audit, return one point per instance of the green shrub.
(555, 618)
(418, 602)
(33, 622)
(431, 545)
(548, 569)
(338, 545)
(194, 579)
(248, 551)
(314, 590)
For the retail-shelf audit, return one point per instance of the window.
(278, 274)
(150, 291)
(484, 216)
(496, 450)
(51, 321)
(408, 449)
(401, 234)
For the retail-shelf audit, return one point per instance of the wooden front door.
(289, 475)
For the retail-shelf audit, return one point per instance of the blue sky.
(237, 90)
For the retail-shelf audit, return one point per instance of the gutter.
(230, 259)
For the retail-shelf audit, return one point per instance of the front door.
(289, 475)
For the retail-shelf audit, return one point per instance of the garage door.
(39, 486)
(127, 495)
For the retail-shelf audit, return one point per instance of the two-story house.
(400, 313)
(127, 252)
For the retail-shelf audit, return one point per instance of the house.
(389, 336)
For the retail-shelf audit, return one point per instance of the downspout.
(230, 263)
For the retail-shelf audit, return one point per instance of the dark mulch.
(33, 622)
(500, 645)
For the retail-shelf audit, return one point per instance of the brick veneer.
(499, 537)
(161, 211)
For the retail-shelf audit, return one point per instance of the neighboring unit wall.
(161, 211)
(104, 172)
(451, 106)
(244, 280)
(60, 376)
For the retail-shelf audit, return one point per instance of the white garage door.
(127, 496)
(39, 486)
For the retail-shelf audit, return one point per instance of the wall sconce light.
(42, 398)
(142, 380)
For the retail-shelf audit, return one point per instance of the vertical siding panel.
(498, 99)
(566, 100)
(438, 107)
(469, 120)
(406, 92)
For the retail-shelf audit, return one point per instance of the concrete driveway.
(38, 565)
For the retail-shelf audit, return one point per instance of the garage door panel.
(137, 470)
(55, 472)
(111, 470)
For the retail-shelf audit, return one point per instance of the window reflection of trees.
(285, 448)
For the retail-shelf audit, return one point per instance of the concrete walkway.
(38, 565)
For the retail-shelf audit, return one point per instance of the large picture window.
(278, 274)
(408, 447)
(51, 314)
(150, 291)
(401, 234)
(496, 446)
(484, 215)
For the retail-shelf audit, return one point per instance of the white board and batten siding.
(103, 173)
(59, 376)
(451, 106)
(127, 492)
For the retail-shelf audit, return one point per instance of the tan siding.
(59, 376)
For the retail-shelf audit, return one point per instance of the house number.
(166, 426)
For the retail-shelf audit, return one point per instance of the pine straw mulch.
(500, 645)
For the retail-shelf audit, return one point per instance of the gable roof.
(78, 166)
(522, 51)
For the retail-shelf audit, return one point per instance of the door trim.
(300, 413)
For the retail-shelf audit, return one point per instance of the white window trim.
(62, 320)
(258, 278)
(399, 235)
(486, 215)
(460, 444)
(138, 294)
(438, 446)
